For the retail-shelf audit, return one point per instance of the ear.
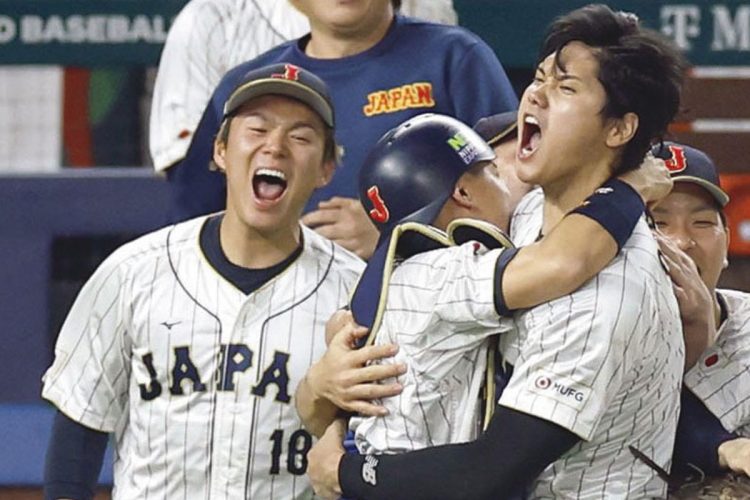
(622, 130)
(220, 150)
(326, 173)
(462, 196)
(725, 264)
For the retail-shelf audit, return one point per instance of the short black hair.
(396, 4)
(641, 71)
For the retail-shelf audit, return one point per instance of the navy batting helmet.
(413, 169)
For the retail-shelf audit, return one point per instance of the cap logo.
(676, 162)
(291, 72)
(379, 212)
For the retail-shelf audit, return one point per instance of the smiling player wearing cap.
(188, 343)
(714, 428)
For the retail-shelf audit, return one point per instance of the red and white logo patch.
(379, 212)
(291, 72)
(676, 162)
(711, 360)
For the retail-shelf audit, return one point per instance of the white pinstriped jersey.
(440, 311)
(207, 39)
(210, 37)
(721, 378)
(604, 362)
(194, 377)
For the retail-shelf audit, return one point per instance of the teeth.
(531, 120)
(272, 173)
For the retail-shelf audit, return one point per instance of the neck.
(247, 247)
(564, 195)
(332, 43)
(717, 309)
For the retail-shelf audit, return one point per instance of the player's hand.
(340, 320)
(693, 297)
(344, 221)
(323, 461)
(735, 455)
(651, 180)
(344, 377)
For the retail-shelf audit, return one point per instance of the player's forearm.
(574, 252)
(512, 452)
(699, 436)
(316, 412)
(74, 460)
(698, 337)
(579, 247)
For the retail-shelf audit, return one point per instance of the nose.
(275, 142)
(537, 94)
(682, 238)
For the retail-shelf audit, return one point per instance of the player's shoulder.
(341, 260)
(448, 35)
(201, 16)
(526, 221)
(134, 256)
(738, 304)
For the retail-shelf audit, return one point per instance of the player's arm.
(74, 460)
(514, 450)
(582, 243)
(342, 378)
(700, 437)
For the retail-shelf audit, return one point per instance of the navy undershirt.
(246, 279)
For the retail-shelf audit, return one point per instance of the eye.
(567, 89)
(660, 224)
(301, 138)
(704, 223)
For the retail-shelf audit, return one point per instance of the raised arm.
(585, 240)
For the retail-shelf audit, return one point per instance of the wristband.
(616, 206)
(502, 262)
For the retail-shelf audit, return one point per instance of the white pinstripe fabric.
(158, 298)
(606, 363)
(440, 311)
(721, 378)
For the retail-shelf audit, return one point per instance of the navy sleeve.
(504, 461)
(699, 434)
(74, 460)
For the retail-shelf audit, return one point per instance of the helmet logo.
(676, 162)
(379, 212)
(291, 72)
(463, 147)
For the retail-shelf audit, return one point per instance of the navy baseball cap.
(283, 79)
(494, 129)
(687, 164)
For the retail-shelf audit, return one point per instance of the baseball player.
(187, 344)
(596, 374)
(714, 429)
(440, 306)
